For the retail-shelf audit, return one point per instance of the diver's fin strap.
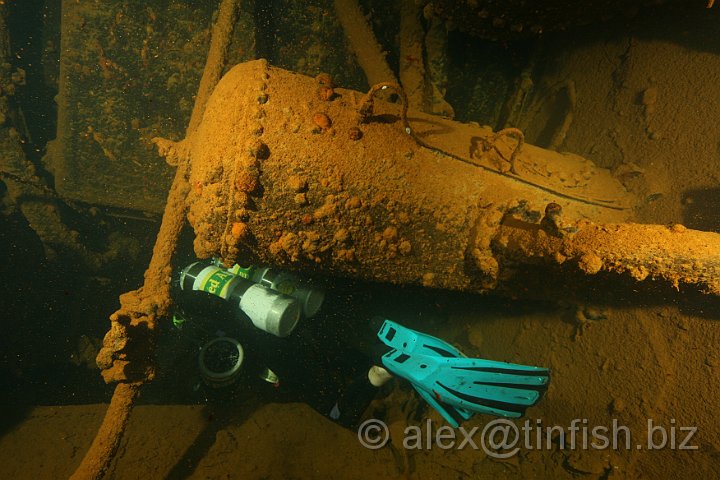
(398, 337)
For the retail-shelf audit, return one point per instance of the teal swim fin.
(457, 386)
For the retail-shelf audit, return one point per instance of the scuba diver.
(254, 330)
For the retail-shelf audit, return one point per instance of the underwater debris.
(322, 121)
(325, 80)
(362, 40)
(325, 93)
(462, 207)
(492, 144)
(412, 65)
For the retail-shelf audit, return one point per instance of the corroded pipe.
(359, 34)
(127, 355)
(671, 253)
(363, 188)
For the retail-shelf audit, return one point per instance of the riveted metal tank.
(287, 172)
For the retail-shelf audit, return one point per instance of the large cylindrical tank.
(289, 173)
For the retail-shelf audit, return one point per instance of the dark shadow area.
(680, 23)
(554, 110)
(54, 312)
(383, 118)
(479, 73)
(701, 209)
(12, 416)
(220, 414)
(607, 289)
(34, 28)
(265, 30)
